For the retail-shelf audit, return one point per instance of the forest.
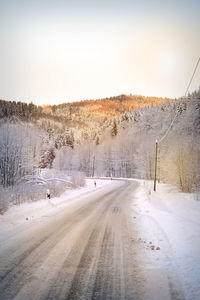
(56, 146)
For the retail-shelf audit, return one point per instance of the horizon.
(57, 52)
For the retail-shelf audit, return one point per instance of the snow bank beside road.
(169, 221)
(24, 213)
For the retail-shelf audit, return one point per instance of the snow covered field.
(169, 225)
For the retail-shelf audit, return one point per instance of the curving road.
(84, 251)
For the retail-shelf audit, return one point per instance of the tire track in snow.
(82, 264)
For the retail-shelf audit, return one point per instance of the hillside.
(109, 107)
(84, 120)
(86, 137)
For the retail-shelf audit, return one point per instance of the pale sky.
(55, 51)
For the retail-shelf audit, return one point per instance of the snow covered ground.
(19, 215)
(169, 226)
(168, 233)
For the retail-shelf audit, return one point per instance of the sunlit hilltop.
(108, 107)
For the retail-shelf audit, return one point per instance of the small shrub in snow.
(33, 188)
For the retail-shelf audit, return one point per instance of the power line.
(170, 126)
(172, 122)
(192, 77)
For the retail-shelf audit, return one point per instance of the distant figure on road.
(48, 194)
(95, 184)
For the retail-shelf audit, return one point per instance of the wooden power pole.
(156, 160)
(93, 166)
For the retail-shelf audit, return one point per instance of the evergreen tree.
(114, 129)
(97, 141)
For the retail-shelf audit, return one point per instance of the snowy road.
(88, 250)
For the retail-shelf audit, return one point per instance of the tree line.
(32, 141)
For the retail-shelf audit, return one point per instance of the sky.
(55, 51)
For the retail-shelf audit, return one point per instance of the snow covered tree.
(47, 158)
(97, 141)
(114, 129)
(20, 146)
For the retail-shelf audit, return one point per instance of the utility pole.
(156, 159)
(158, 166)
(93, 166)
